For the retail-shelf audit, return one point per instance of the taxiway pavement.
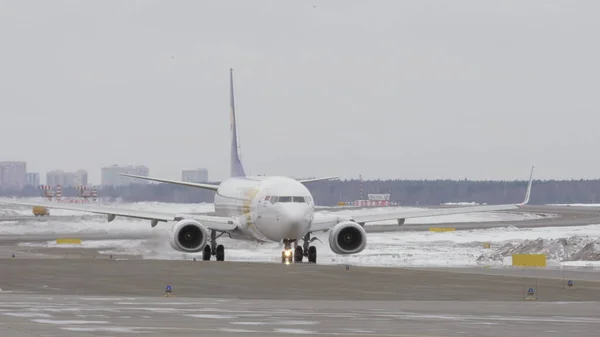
(69, 315)
(102, 297)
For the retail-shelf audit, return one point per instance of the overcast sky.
(389, 89)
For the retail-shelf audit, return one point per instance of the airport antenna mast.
(361, 186)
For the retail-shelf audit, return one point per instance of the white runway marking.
(106, 329)
(27, 314)
(66, 322)
(296, 331)
(213, 316)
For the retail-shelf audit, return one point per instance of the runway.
(80, 297)
(155, 316)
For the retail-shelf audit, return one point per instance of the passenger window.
(285, 199)
(298, 199)
(274, 200)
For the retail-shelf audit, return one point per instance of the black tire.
(220, 253)
(312, 254)
(298, 255)
(206, 253)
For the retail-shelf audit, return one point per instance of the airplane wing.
(176, 182)
(221, 224)
(316, 179)
(207, 186)
(324, 221)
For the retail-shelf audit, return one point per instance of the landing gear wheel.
(312, 254)
(220, 253)
(206, 253)
(298, 255)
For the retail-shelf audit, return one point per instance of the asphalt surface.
(103, 297)
(66, 316)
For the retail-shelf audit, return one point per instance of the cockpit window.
(276, 199)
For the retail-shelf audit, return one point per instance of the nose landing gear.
(286, 254)
(300, 251)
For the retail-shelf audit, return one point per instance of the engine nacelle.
(188, 236)
(347, 238)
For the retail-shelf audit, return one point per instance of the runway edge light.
(531, 295)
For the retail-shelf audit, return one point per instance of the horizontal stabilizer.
(176, 182)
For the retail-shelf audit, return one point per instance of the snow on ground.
(416, 248)
(9, 210)
(411, 248)
(422, 249)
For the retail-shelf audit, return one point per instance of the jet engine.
(347, 237)
(188, 236)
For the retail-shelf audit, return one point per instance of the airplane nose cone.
(293, 222)
(296, 216)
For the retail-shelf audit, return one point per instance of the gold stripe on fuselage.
(248, 198)
(247, 203)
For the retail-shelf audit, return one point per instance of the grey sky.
(389, 89)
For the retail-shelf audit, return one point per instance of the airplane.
(266, 209)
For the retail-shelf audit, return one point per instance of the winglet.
(528, 194)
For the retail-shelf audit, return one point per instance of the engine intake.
(347, 238)
(188, 236)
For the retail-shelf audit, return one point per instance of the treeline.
(406, 192)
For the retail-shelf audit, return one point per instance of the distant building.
(13, 175)
(33, 179)
(67, 179)
(195, 176)
(111, 175)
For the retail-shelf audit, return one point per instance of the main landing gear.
(214, 249)
(299, 251)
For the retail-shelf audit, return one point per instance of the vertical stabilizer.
(237, 170)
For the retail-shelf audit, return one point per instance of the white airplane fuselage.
(269, 209)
